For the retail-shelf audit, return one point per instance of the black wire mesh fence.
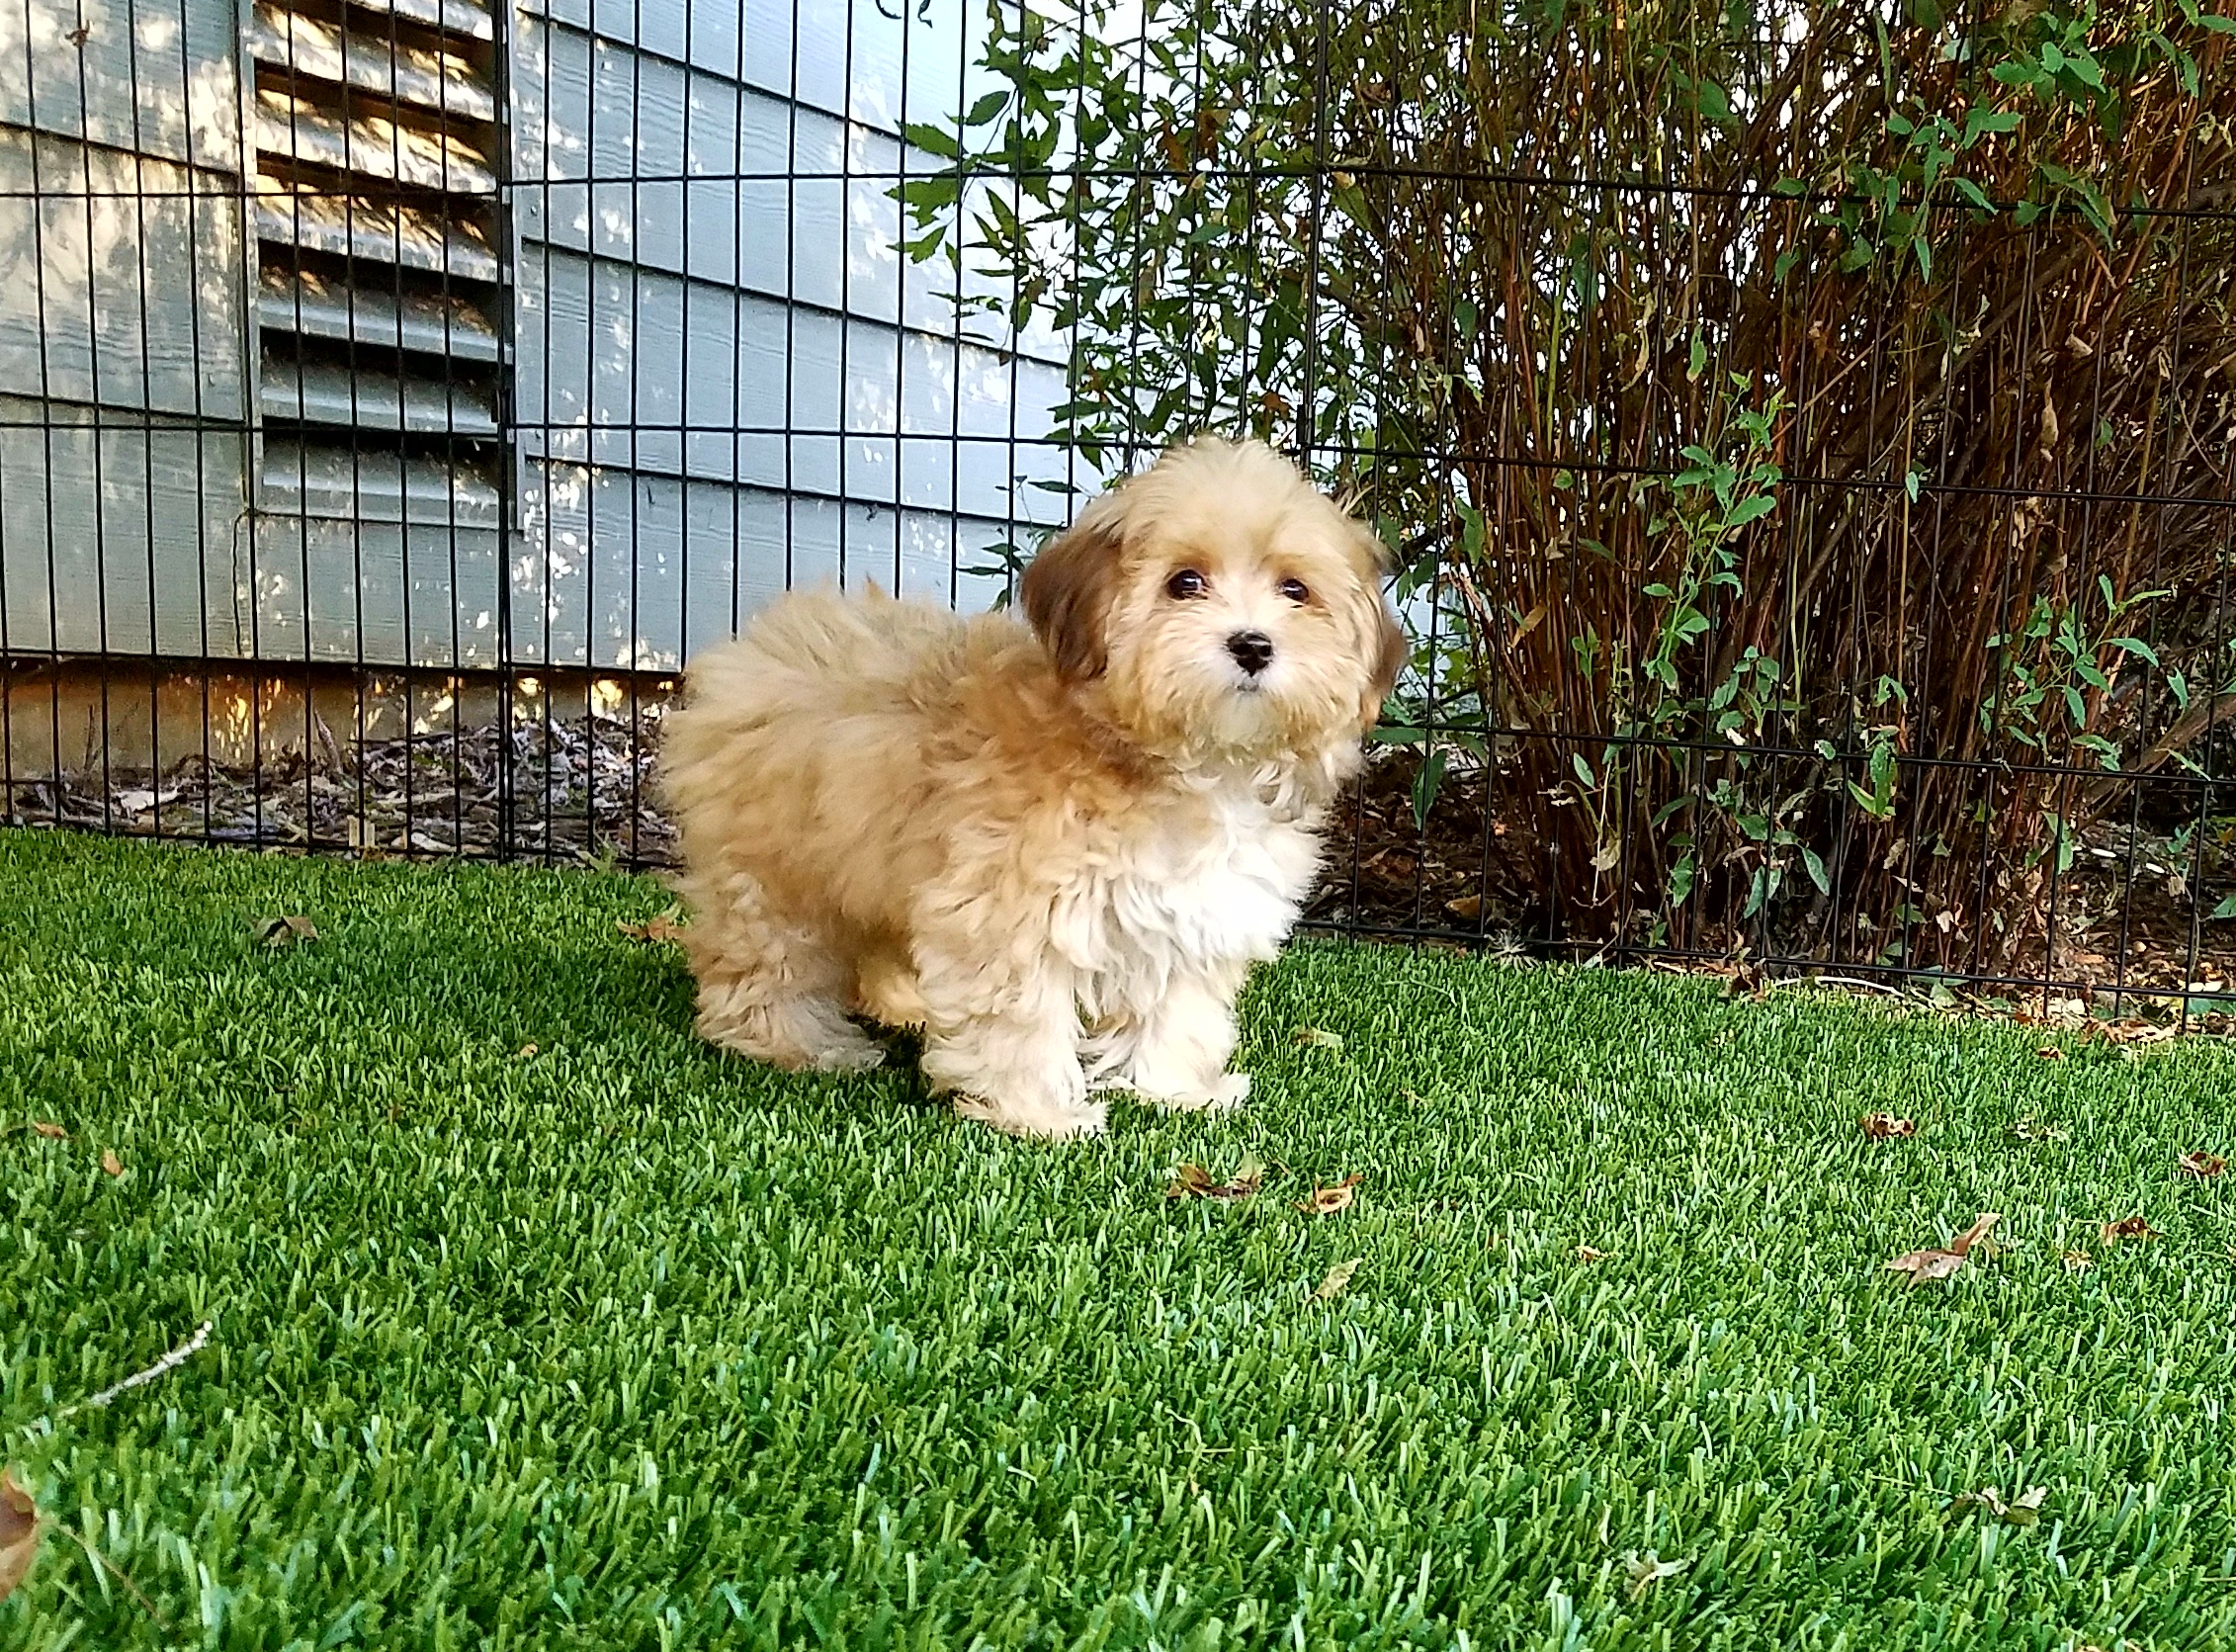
(1802, 431)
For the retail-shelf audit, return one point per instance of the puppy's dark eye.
(1186, 584)
(1294, 590)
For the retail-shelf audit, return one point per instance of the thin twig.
(1836, 981)
(120, 1574)
(171, 1361)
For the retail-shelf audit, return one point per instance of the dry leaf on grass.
(526, 1052)
(2077, 1262)
(1319, 1038)
(111, 1163)
(2202, 1164)
(1743, 981)
(1193, 1182)
(659, 929)
(285, 931)
(1647, 1569)
(1939, 1264)
(1585, 1252)
(20, 1528)
(1338, 1277)
(1881, 1127)
(2024, 1510)
(2131, 1032)
(53, 1132)
(2128, 1227)
(1325, 1201)
(2050, 1052)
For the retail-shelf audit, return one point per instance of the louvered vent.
(375, 137)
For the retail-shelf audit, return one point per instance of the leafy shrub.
(1779, 411)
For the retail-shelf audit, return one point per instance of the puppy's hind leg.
(769, 988)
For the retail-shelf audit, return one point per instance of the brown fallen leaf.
(2050, 1052)
(53, 1132)
(660, 929)
(2131, 1032)
(1193, 1182)
(2202, 1164)
(2128, 1227)
(1647, 1569)
(1880, 1127)
(2024, 1510)
(2032, 1129)
(1338, 1277)
(1585, 1252)
(1319, 1038)
(1939, 1264)
(2077, 1262)
(20, 1530)
(286, 932)
(111, 1163)
(1325, 1201)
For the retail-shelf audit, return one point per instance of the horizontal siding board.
(153, 77)
(118, 539)
(368, 60)
(374, 485)
(110, 297)
(313, 306)
(591, 118)
(375, 232)
(643, 571)
(386, 593)
(369, 145)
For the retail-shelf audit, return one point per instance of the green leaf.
(1982, 120)
(1425, 785)
(936, 140)
(1698, 364)
(1751, 510)
(2227, 908)
(1582, 768)
(986, 109)
(1817, 873)
(2138, 648)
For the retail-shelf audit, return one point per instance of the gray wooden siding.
(242, 421)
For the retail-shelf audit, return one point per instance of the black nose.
(1253, 651)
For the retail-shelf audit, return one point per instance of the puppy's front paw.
(844, 1048)
(1046, 1123)
(1226, 1093)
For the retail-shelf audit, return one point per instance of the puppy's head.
(1220, 606)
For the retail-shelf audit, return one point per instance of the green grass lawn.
(623, 1343)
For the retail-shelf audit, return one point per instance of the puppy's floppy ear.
(1068, 588)
(1386, 650)
(1392, 653)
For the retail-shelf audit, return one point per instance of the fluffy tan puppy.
(1055, 850)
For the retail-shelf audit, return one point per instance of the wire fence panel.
(1802, 432)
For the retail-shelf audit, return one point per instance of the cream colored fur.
(1058, 849)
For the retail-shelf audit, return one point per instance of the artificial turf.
(617, 1343)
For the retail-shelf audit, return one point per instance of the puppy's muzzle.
(1253, 651)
